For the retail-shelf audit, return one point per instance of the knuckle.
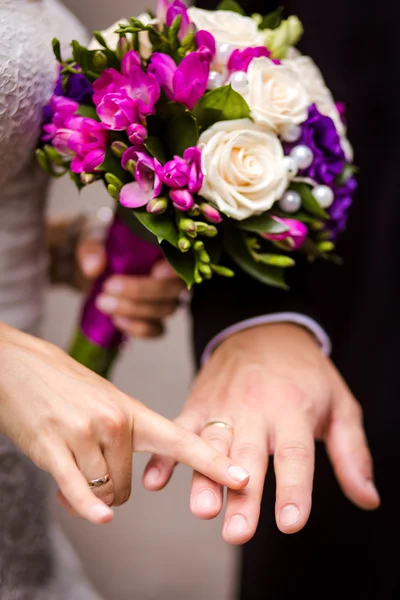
(114, 420)
(293, 451)
(296, 399)
(83, 428)
(249, 452)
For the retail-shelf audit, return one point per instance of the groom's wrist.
(298, 319)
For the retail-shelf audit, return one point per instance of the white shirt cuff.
(283, 317)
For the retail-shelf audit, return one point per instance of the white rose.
(319, 93)
(227, 27)
(275, 95)
(243, 166)
(112, 38)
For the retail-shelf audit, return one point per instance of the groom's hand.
(138, 305)
(277, 393)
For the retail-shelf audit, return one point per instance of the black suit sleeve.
(221, 302)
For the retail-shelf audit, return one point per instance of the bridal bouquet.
(215, 137)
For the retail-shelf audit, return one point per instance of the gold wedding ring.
(220, 424)
(100, 481)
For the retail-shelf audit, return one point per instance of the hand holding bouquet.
(214, 136)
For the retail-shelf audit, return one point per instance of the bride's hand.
(78, 427)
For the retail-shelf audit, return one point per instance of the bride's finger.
(116, 438)
(93, 467)
(159, 469)
(156, 434)
(74, 486)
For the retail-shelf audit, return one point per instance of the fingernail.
(101, 511)
(152, 475)
(114, 286)
(91, 263)
(106, 303)
(205, 499)
(289, 515)
(162, 270)
(237, 473)
(237, 525)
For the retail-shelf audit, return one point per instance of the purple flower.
(185, 83)
(205, 44)
(123, 99)
(239, 60)
(320, 135)
(181, 199)
(295, 234)
(174, 9)
(137, 134)
(147, 184)
(338, 211)
(175, 173)
(78, 88)
(192, 157)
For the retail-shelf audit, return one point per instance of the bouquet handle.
(97, 342)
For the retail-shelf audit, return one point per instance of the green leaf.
(221, 104)
(272, 20)
(309, 203)
(128, 217)
(162, 226)
(183, 263)
(85, 110)
(232, 6)
(76, 179)
(236, 246)
(53, 156)
(98, 36)
(262, 224)
(57, 49)
(155, 147)
(346, 174)
(181, 133)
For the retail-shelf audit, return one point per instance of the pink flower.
(205, 44)
(174, 9)
(211, 213)
(88, 140)
(167, 11)
(192, 157)
(295, 235)
(123, 99)
(147, 184)
(239, 60)
(185, 83)
(137, 134)
(62, 109)
(181, 199)
(175, 173)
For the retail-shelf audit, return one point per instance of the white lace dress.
(36, 562)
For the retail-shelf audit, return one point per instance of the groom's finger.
(348, 450)
(206, 496)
